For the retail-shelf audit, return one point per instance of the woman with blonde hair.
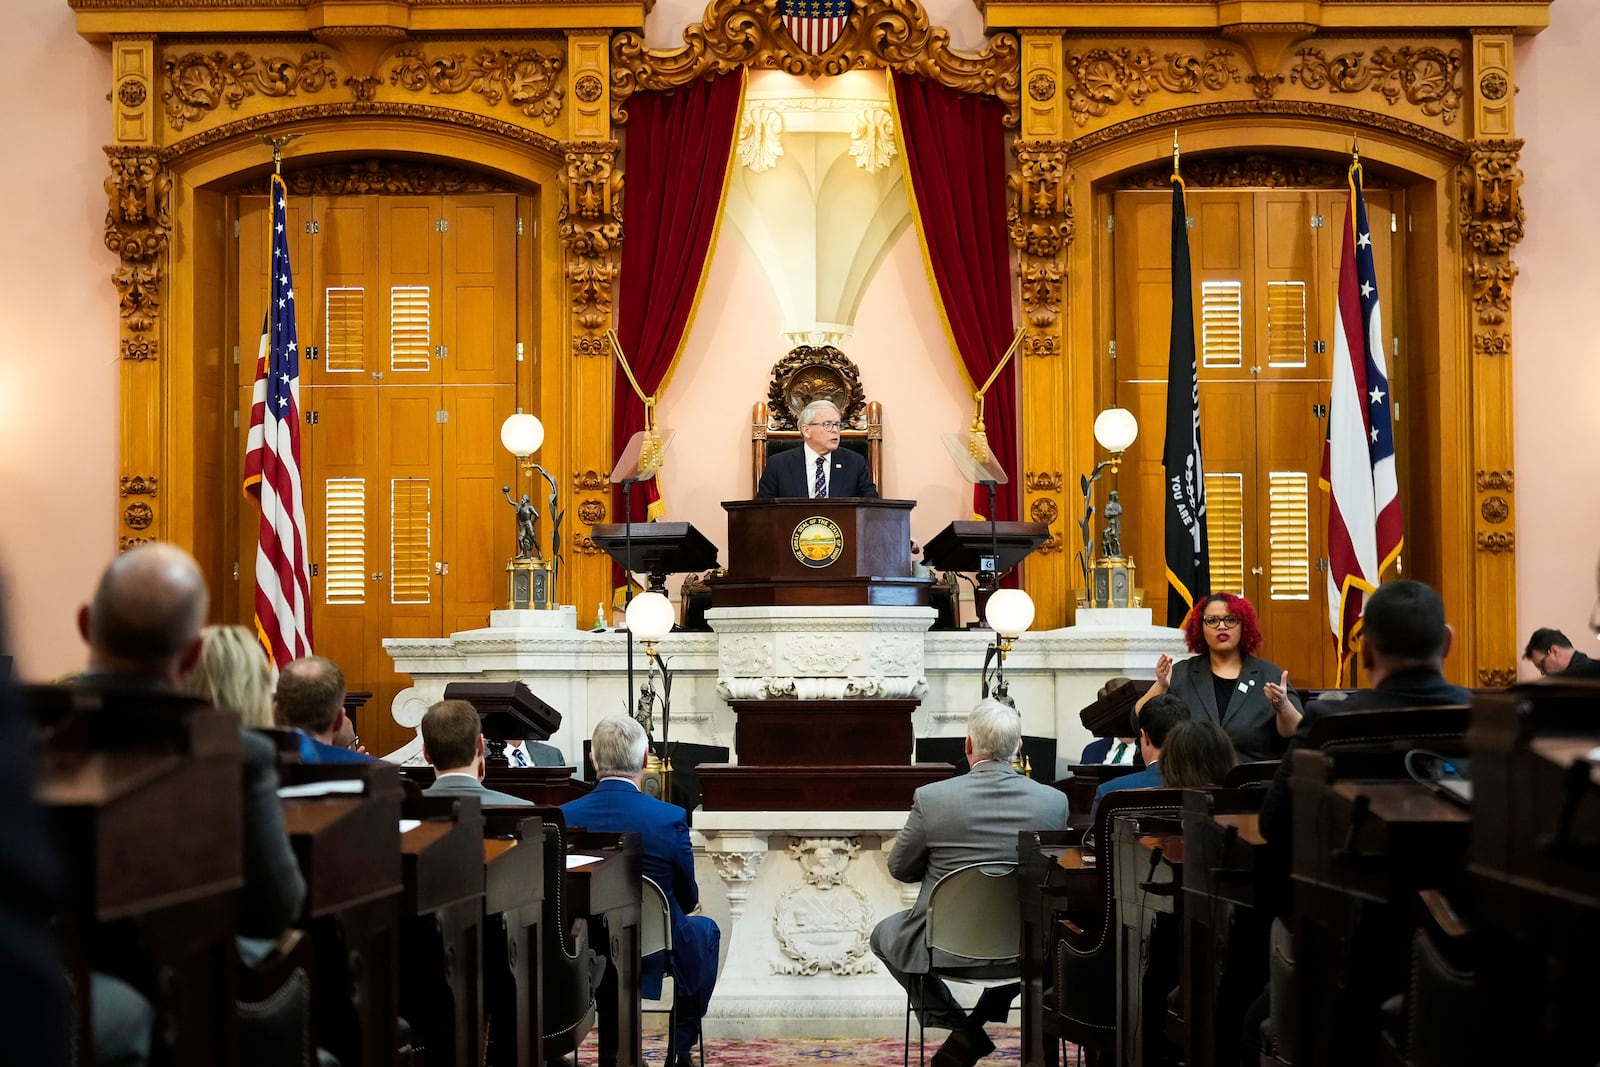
(233, 672)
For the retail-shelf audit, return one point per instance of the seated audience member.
(1197, 755)
(310, 699)
(1551, 653)
(533, 754)
(1156, 720)
(143, 630)
(972, 818)
(1404, 640)
(452, 740)
(1111, 751)
(234, 673)
(617, 805)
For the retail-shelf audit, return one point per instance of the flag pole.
(1175, 153)
(277, 144)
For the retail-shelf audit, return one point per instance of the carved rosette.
(592, 509)
(591, 229)
(1039, 219)
(881, 34)
(1041, 492)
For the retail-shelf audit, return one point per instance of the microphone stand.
(627, 573)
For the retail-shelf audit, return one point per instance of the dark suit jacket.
(540, 755)
(786, 475)
(459, 785)
(1581, 666)
(616, 805)
(1149, 778)
(1409, 689)
(274, 889)
(1249, 720)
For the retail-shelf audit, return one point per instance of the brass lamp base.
(528, 585)
(1111, 584)
(657, 777)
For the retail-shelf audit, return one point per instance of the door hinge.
(1111, 349)
(235, 418)
(1111, 224)
(1319, 348)
(1319, 411)
(313, 417)
(519, 225)
(235, 355)
(313, 351)
(441, 225)
(441, 351)
(1188, 222)
(1394, 223)
(1322, 564)
(235, 229)
(441, 568)
(316, 569)
(313, 226)
(441, 415)
(519, 351)
(236, 570)
(1317, 222)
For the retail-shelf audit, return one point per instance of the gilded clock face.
(817, 541)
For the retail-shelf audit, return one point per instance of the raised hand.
(1278, 692)
(1164, 671)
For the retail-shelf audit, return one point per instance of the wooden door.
(411, 365)
(1265, 269)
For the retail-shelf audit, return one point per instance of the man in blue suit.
(1156, 720)
(617, 805)
(818, 467)
(310, 699)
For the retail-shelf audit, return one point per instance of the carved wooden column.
(1040, 220)
(591, 229)
(1491, 219)
(138, 229)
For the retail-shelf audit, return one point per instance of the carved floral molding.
(881, 34)
(387, 176)
(1428, 78)
(138, 227)
(527, 78)
(1039, 219)
(1099, 79)
(591, 229)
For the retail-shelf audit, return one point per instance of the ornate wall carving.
(138, 226)
(389, 176)
(198, 83)
(592, 510)
(526, 78)
(1039, 218)
(1098, 79)
(591, 230)
(138, 485)
(1252, 170)
(825, 923)
(1426, 77)
(881, 34)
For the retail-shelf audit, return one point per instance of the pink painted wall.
(58, 335)
(58, 366)
(1556, 332)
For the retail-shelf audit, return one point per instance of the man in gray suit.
(452, 740)
(974, 818)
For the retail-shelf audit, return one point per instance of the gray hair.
(995, 730)
(808, 414)
(618, 747)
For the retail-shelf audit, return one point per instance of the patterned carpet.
(813, 1052)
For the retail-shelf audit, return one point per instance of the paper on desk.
(332, 787)
(575, 859)
(408, 825)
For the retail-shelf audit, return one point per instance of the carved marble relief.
(825, 923)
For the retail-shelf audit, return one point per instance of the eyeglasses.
(1220, 622)
(829, 425)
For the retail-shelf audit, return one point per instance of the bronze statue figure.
(527, 525)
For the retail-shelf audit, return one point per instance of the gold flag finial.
(1175, 152)
(277, 144)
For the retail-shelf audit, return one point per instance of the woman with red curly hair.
(1227, 683)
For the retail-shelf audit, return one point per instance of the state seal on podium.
(817, 541)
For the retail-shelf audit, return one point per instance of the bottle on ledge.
(600, 617)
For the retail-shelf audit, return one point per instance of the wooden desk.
(608, 889)
(1148, 874)
(441, 933)
(1053, 877)
(1225, 925)
(513, 896)
(349, 852)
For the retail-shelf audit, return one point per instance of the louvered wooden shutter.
(1225, 530)
(344, 347)
(1289, 519)
(410, 331)
(1221, 324)
(344, 568)
(1286, 324)
(410, 541)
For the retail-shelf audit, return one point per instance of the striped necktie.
(522, 759)
(819, 486)
(1116, 757)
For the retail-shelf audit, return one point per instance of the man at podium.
(818, 468)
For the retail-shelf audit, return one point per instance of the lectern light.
(651, 615)
(1010, 612)
(522, 435)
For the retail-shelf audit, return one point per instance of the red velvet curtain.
(676, 149)
(956, 155)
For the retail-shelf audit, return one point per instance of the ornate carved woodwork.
(392, 177)
(881, 34)
(1039, 218)
(1426, 77)
(591, 229)
(199, 83)
(138, 485)
(1099, 79)
(1252, 170)
(814, 372)
(526, 78)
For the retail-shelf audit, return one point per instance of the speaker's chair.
(806, 374)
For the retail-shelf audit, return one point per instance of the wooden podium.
(834, 550)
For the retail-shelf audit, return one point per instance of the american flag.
(1358, 468)
(272, 462)
(815, 24)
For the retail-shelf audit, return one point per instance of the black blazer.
(1249, 720)
(786, 475)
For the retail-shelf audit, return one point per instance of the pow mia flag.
(1188, 560)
